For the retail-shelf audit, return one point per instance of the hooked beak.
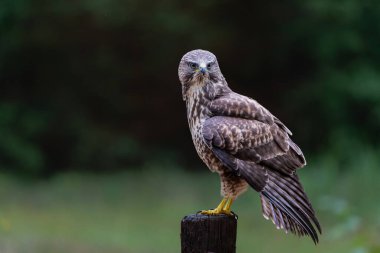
(202, 68)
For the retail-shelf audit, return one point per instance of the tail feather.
(285, 203)
(297, 193)
(279, 218)
(301, 223)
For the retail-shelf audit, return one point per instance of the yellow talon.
(223, 208)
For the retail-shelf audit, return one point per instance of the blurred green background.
(95, 151)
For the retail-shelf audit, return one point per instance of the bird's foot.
(216, 211)
(223, 208)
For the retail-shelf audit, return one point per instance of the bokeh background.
(95, 151)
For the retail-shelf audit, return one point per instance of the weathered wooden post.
(208, 233)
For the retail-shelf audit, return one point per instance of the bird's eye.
(209, 66)
(193, 65)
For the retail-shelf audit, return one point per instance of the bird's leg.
(227, 207)
(223, 208)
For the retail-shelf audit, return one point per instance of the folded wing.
(254, 144)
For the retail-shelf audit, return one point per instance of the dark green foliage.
(343, 93)
(20, 129)
(93, 85)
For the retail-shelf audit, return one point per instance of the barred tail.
(284, 201)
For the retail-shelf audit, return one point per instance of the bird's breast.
(197, 113)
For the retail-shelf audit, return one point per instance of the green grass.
(140, 212)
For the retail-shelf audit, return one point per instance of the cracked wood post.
(208, 233)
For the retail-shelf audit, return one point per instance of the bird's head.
(198, 67)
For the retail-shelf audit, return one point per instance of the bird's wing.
(263, 154)
(235, 105)
(282, 154)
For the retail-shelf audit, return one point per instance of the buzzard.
(246, 145)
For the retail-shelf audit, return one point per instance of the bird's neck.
(196, 103)
(198, 97)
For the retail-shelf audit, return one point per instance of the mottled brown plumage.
(245, 144)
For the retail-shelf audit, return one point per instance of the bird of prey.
(246, 145)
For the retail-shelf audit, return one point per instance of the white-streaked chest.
(197, 110)
(197, 113)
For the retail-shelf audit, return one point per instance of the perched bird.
(246, 145)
